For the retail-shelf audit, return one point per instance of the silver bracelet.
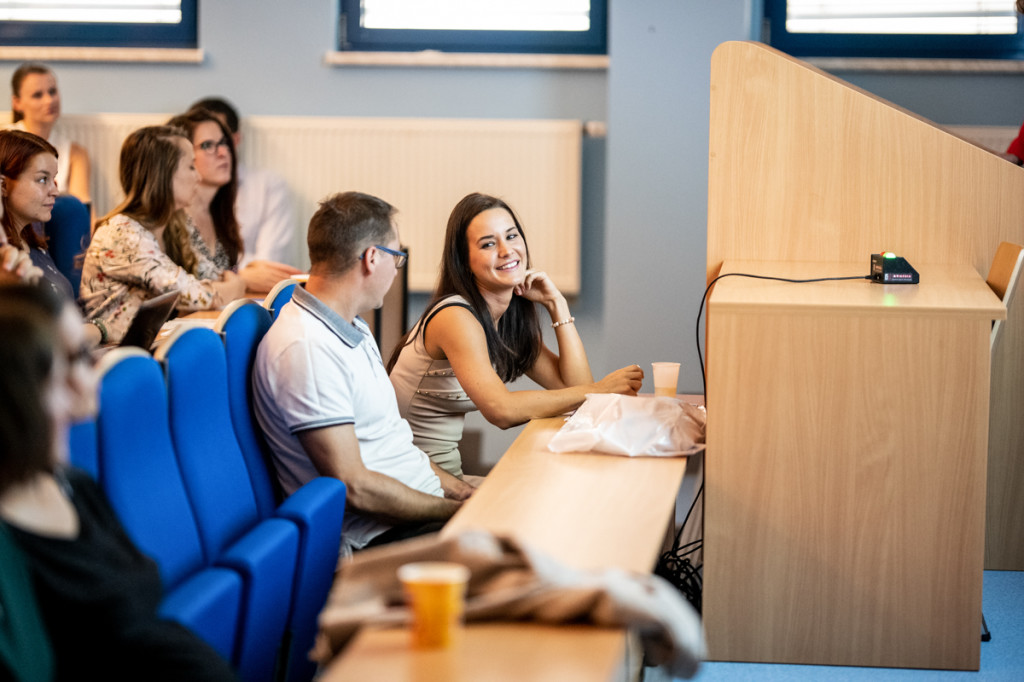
(568, 320)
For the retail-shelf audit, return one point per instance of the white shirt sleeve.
(265, 216)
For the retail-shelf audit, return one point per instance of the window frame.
(354, 38)
(86, 34)
(928, 46)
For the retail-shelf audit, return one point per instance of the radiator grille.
(421, 166)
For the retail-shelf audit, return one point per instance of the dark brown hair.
(219, 105)
(28, 342)
(17, 149)
(222, 207)
(344, 226)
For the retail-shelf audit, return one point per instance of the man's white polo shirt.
(315, 370)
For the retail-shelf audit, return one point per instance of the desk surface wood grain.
(588, 511)
(955, 289)
(487, 652)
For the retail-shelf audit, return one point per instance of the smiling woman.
(481, 331)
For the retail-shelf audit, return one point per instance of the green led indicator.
(890, 254)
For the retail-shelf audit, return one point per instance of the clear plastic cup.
(666, 377)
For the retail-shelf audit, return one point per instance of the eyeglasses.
(400, 256)
(211, 147)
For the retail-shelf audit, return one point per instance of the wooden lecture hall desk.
(587, 511)
(845, 488)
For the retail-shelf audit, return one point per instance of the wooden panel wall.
(804, 166)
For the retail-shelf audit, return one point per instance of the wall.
(644, 205)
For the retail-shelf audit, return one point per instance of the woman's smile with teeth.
(509, 266)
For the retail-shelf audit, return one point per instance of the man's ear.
(369, 259)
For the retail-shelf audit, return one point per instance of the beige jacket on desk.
(511, 582)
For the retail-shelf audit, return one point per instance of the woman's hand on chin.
(537, 287)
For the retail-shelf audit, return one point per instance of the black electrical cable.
(703, 299)
(675, 565)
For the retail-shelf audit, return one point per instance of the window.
(86, 23)
(537, 26)
(980, 29)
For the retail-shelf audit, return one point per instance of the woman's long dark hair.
(222, 207)
(28, 341)
(514, 345)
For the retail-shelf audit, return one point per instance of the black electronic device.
(888, 268)
(153, 312)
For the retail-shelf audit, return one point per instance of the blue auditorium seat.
(317, 508)
(82, 447)
(233, 534)
(278, 296)
(139, 473)
(68, 233)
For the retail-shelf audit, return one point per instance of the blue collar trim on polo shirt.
(346, 331)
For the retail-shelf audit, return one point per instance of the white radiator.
(421, 166)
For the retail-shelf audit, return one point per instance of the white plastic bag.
(632, 426)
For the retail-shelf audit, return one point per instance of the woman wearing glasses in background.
(480, 331)
(213, 227)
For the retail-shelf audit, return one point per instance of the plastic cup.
(666, 376)
(436, 592)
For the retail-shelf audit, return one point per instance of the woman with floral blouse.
(141, 249)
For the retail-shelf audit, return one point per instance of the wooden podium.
(844, 524)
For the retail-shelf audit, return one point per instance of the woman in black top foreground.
(97, 593)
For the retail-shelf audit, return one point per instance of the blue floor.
(1002, 658)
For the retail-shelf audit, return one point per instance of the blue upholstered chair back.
(138, 467)
(278, 296)
(212, 464)
(317, 508)
(82, 447)
(242, 325)
(68, 233)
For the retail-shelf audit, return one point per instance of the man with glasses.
(322, 394)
